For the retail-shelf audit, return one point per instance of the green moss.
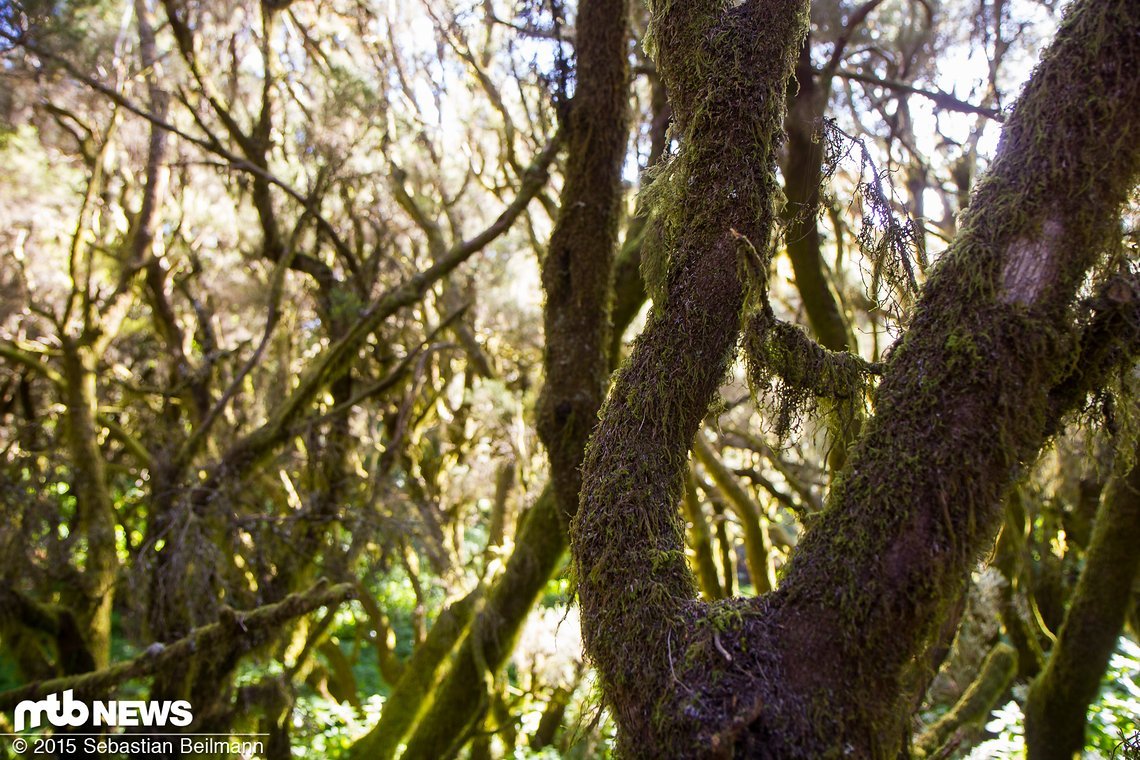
(789, 373)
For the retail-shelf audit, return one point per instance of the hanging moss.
(964, 402)
(788, 372)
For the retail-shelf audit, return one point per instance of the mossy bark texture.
(726, 69)
(1060, 696)
(817, 668)
(577, 273)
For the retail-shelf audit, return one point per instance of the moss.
(966, 395)
(788, 373)
(726, 69)
(488, 641)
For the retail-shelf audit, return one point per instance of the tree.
(311, 308)
(995, 354)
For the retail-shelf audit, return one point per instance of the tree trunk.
(817, 667)
(577, 277)
(1060, 696)
(803, 172)
(94, 506)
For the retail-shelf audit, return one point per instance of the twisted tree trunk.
(817, 668)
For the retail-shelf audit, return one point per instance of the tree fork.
(726, 70)
(818, 666)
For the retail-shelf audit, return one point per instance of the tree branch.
(250, 627)
(943, 100)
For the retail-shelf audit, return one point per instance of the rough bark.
(1055, 713)
(577, 273)
(817, 668)
(966, 399)
(726, 70)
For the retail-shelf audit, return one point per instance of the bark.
(248, 627)
(818, 667)
(577, 273)
(577, 277)
(95, 507)
(414, 686)
(726, 71)
(803, 173)
(629, 286)
(973, 708)
(1060, 696)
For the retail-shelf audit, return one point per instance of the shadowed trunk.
(577, 277)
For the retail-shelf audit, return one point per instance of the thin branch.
(211, 146)
(853, 23)
(29, 358)
(941, 99)
(251, 447)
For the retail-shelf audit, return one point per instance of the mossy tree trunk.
(577, 276)
(95, 508)
(414, 685)
(818, 667)
(577, 272)
(726, 69)
(1060, 696)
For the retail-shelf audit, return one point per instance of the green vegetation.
(574, 378)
